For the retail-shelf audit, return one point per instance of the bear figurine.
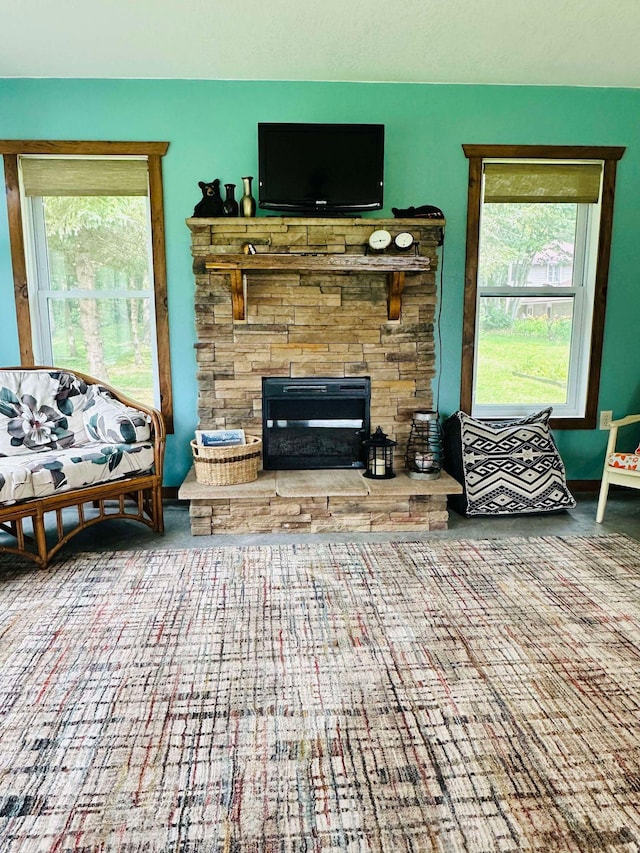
(211, 202)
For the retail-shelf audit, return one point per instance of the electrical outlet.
(605, 420)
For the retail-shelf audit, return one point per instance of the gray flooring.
(622, 516)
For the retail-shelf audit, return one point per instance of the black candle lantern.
(379, 456)
(424, 448)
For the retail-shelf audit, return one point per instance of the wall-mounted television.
(317, 169)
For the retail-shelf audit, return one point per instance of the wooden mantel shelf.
(320, 261)
(394, 266)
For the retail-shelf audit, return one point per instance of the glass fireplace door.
(319, 423)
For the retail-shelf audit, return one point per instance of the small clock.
(403, 241)
(380, 240)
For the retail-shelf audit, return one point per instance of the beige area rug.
(450, 696)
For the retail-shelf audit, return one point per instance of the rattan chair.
(136, 497)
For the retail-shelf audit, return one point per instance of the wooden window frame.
(476, 154)
(154, 151)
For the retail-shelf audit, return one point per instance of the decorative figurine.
(426, 211)
(211, 202)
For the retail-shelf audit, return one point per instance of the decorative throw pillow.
(107, 419)
(39, 410)
(505, 468)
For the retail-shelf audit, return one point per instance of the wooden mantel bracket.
(396, 286)
(237, 294)
(395, 267)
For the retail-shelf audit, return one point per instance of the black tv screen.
(320, 168)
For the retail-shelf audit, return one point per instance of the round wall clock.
(380, 240)
(403, 241)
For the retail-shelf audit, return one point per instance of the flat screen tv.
(317, 169)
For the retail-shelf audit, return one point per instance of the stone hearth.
(296, 309)
(323, 501)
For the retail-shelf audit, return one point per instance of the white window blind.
(56, 176)
(542, 182)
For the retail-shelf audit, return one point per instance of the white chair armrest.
(630, 419)
(613, 434)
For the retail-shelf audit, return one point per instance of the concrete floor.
(622, 516)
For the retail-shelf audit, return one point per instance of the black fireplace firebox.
(314, 423)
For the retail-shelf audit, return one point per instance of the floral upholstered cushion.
(15, 480)
(47, 473)
(107, 419)
(57, 433)
(627, 461)
(40, 410)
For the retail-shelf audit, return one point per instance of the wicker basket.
(227, 466)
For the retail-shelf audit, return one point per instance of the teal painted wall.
(211, 127)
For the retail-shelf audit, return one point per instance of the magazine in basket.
(220, 437)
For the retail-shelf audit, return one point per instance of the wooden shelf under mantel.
(394, 266)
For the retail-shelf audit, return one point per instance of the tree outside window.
(95, 295)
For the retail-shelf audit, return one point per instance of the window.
(87, 240)
(538, 240)
(554, 273)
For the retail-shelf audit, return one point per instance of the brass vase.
(247, 202)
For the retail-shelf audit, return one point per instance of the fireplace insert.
(314, 423)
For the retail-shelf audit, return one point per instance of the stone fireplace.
(302, 299)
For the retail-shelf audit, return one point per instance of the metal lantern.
(379, 449)
(424, 448)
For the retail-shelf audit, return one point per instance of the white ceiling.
(544, 42)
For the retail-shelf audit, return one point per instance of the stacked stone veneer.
(313, 324)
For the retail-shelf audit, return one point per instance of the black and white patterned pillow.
(504, 468)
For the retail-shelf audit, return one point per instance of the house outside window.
(93, 259)
(539, 225)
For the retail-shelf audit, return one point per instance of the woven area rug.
(449, 696)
